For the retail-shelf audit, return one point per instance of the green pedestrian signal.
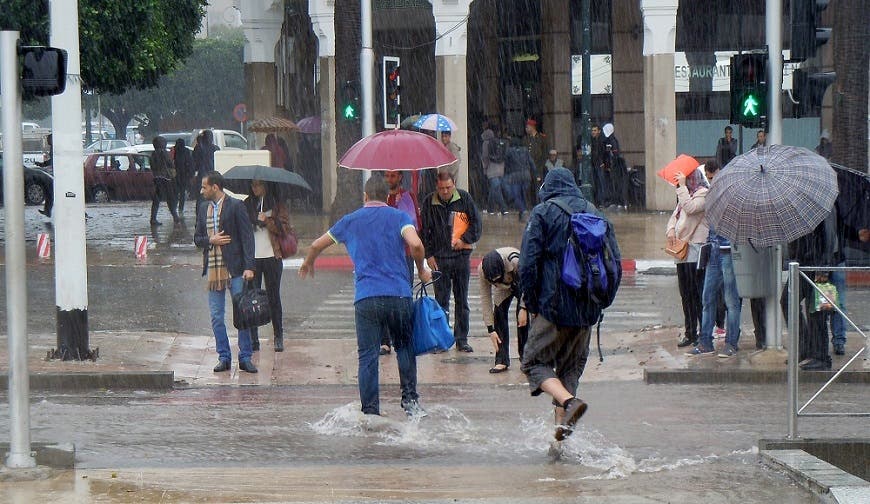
(350, 112)
(749, 89)
(750, 107)
(350, 101)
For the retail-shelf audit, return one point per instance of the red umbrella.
(684, 163)
(397, 150)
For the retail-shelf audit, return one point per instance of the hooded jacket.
(491, 168)
(544, 242)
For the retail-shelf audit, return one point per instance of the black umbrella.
(853, 202)
(266, 174)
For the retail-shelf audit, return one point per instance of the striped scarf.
(218, 275)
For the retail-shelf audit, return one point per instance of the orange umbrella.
(684, 163)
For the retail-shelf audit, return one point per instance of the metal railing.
(795, 276)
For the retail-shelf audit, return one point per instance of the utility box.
(752, 270)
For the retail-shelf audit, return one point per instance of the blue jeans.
(838, 325)
(375, 316)
(216, 305)
(517, 193)
(720, 276)
(496, 195)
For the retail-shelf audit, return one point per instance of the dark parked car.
(36, 184)
(118, 175)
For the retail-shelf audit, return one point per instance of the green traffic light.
(749, 106)
(350, 111)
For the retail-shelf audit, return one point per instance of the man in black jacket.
(450, 227)
(226, 237)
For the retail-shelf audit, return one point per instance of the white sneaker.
(413, 409)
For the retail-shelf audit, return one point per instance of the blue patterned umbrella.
(771, 195)
(435, 122)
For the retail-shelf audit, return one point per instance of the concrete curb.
(827, 481)
(55, 456)
(761, 376)
(73, 381)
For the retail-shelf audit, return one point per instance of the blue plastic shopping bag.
(431, 333)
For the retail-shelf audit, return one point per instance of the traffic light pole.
(366, 70)
(16, 272)
(586, 102)
(773, 31)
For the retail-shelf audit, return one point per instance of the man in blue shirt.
(375, 237)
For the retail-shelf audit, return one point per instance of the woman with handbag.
(271, 221)
(686, 231)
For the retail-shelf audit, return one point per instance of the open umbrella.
(435, 122)
(272, 125)
(684, 163)
(853, 202)
(771, 195)
(408, 122)
(397, 150)
(309, 125)
(266, 174)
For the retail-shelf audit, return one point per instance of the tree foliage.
(123, 45)
(201, 92)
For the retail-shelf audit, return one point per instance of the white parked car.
(106, 145)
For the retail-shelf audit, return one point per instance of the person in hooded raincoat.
(557, 348)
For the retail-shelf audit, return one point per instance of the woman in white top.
(271, 221)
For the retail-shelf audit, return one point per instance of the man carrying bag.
(375, 237)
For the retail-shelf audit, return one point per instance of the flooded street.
(479, 443)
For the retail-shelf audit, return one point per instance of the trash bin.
(752, 270)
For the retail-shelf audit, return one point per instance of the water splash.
(447, 429)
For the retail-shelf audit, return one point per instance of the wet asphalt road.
(308, 444)
(666, 443)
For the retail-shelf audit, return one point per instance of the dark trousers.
(374, 316)
(690, 280)
(49, 199)
(270, 269)
(500, 323)
(812, 328)
(602, 186)
(756, 305)
(181, 187)
(387, 338)
(164, 190)
(502, 328)
(455, 274)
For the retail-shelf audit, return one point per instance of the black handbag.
(250, 307)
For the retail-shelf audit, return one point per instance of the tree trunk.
(851, 40)
(348, 196)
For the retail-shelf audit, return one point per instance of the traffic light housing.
(808, 90)
(749, 89)
(350, 102)
(391, 87)
(807, 32)
(43, 71)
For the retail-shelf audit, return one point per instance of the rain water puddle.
(447, 431)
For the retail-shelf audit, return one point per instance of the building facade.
(659, 74)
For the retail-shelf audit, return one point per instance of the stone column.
(322, 13)
(628, 83)
(450, 72)
(262, 20)
(660, 116)
(556, 76)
